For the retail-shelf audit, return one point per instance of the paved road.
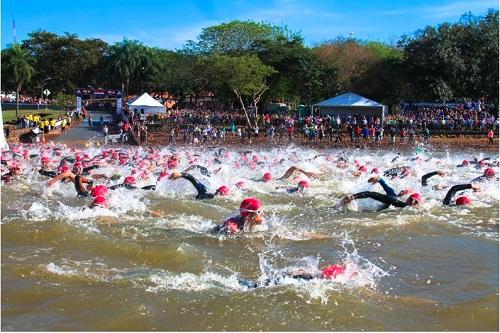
(81, 133)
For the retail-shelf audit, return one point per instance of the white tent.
(351, 104)
(3, 141)
(145, 104)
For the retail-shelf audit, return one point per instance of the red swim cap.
(249, 205)
(362, 168)
(99, 190)
(267, 177)
(375, 170)
(163, 174)
(100, 201)
(489, 172)
(129, 180)
(416, 196)
(304, 184)
(332, 271)
(465, 162)
(63, 169)
(223, 190)
(463, 200)
(78, 158)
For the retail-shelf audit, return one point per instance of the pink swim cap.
(304, 184)
(267, 177)
(332, 271)
(249, 205)
(99, 190)
(223, 190)
(129, 180)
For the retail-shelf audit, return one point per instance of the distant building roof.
(348, 99)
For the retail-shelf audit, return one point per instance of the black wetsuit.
(275, 280)
(132, 187)
(383, 198)
(427, 176)
(200, 188)
(47, 173)
(453, 190)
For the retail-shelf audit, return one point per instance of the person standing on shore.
(490, 137)
(427, 135)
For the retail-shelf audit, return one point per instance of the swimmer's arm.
(288, 172)
(431, 174)
(388, 189)
(453, 190)
(200, 188)
(63, 175)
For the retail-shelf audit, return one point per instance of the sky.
(170, 23)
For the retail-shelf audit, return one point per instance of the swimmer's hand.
(441, 173)
(347, 199)
(373, 180)
(255, 219)
(175, 175)
(476, 188)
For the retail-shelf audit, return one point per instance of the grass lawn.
(9, 116)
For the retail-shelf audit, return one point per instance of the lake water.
(433, 267)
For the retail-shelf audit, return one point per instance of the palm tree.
(125, 59)
(16, 62)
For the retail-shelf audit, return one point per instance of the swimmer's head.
(463, 200)
(223, 190)
(100, 201)
(129, 180)
(332, 271)
(250, 206)
(489, 173)
(99, 190)
(414, 200)
(267, 177)
(304, 184)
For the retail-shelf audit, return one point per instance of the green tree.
(63, 102)
(17, 68)
(245, 75)
(235, 37)
(69, 61)
(127, 59)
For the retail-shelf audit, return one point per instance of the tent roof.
(146, 100)
(348, 99)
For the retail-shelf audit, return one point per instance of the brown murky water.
(431, 268)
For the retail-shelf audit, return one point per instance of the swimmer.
(250, 215)
(81, 183)
(292, 169)
(400, 172)
(200, 188)
(330, 272)
(301, 186)
(462, 200)
(489, 174)
(13, 171)
(413, 200)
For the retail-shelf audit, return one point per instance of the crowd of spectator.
(195, 126)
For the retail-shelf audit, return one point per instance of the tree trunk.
(243, 106)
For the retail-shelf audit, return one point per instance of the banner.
(119, 102)
(78, 101)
